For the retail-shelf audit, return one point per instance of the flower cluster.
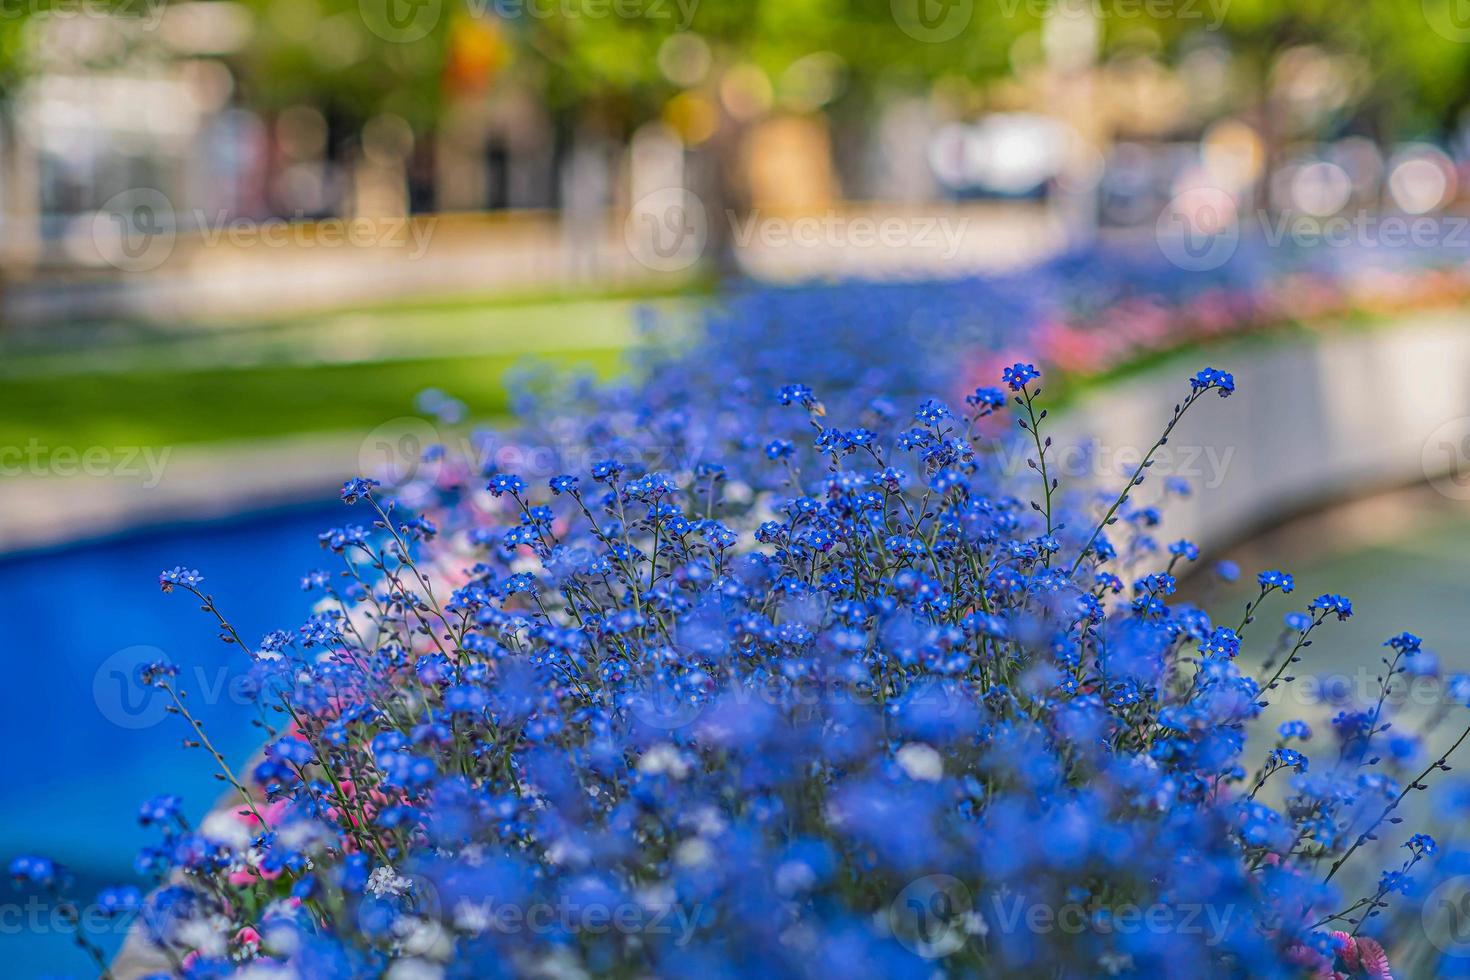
(788, 680)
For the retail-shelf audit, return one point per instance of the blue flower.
(606, 471)
(756, 658)
(1403, 643)
(506, 483)
(123, 900)
(1295, 729)
(797, 393)
(1290, 758)
(1018, 375)
(1222, 643)
(1330, 603)
(1275, 579)
(293, 750)
(1209, 378)
(159, 809)
(466, 699)
(931, 413)
(34, 869)
(179, 576)
(356, 488)
(987, 399)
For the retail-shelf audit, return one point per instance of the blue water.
(83, 746)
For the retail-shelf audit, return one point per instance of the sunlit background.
(237, 239)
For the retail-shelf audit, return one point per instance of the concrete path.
(178, 484)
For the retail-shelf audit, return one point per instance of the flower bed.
(768, 679)
(1085, 317)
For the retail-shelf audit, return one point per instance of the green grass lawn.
(174, 407)
(123, 384)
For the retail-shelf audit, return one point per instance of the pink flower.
(1361, 953)
(1375, 960)
(271, 814)
(1320, 967)
(249, 875)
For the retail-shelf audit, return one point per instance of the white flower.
(708, 822)
(921, 762)
(664, 759)
(223, 827)
(471, 917)
(265, 970)
(567, 853)
(693, 852)
(205, 935)
(386, 881)
(794, 876)
(560, 964)
(414, 969)
(428, 938)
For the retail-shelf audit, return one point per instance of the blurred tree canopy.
(356, 58)
(580, 54)
(1412, 56)
(583, 57)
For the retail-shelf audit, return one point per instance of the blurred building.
(1085, 133)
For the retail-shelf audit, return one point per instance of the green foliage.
(167, 408)
(1412, 74)
(324, 53)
